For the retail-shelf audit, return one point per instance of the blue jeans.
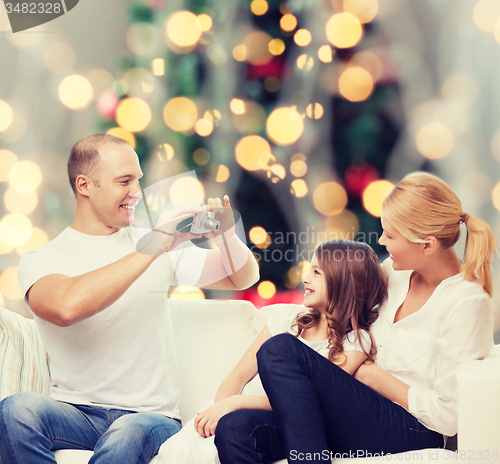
(33, 425)
(317, 408)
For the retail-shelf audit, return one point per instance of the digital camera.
(202, 223)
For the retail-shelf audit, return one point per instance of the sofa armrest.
(479, 409)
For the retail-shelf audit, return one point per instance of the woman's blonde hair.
(423, 205)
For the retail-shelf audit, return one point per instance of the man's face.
(116, 192)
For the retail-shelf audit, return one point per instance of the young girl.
(438, 315)
(342, 291)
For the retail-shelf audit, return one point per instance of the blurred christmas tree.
(291, 108)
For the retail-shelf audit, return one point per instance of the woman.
(437, 316)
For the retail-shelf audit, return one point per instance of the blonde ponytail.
(479, 250)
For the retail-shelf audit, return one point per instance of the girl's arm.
(354, 359)
(228, 396)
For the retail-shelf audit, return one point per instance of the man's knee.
(25, 407)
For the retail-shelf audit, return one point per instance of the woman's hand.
(206, 421)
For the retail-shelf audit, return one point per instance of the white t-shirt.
(281, 321)
(123, 357)
(425, 349)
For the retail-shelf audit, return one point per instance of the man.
(101, 309)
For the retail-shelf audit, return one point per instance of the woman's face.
(405, 255)
(315, 289)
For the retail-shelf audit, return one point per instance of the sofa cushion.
(23, 361)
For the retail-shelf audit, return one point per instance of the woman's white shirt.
(425, 349)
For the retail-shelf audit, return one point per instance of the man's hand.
(223, 214)
(206, 421)
(165, 236)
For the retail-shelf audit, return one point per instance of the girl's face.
(315, 289)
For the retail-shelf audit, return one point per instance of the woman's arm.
(383, 383)
(228, 396)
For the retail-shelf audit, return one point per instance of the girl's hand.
(206, 421)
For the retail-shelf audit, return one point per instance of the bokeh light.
(276, 46)
(165, 152)
(75, 92)
(302, 37)
(364, 10)
(374, 195)
(434, 140)
(485, 14)
(15, 229)
(123, 134)
(240, 53)
(223, 173)
(203, 127)
(298, 168)
(25, 176)
(299, 188)
(276, 173)
(355, 84)
(288, 22)
(7, 161)
(314, 110)
(9, 284)
(257, 47)
(259, 237)
(342, 226)
(296, 274)
(183, 28)
(253, 153)
(237, 106)
(6, 115)
(133, 114)
(20, 202)
(284, 126)
(158, 67)
(5, 248)
(180, 114)
(325, 54)
(206, 22)
(185, 292)
(495, 195)
(305, 62)
(141, 38)
(344, 30)
(266, 289)
(259, 7)
(37, 239)
(201, 156)
(187, 190)
(330, 198)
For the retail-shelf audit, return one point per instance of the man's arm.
(232, 266)
(64, 300)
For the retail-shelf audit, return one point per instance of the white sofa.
(212, 335)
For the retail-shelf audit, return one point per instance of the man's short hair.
(84, 157)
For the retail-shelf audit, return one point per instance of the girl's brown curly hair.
(356, 285)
